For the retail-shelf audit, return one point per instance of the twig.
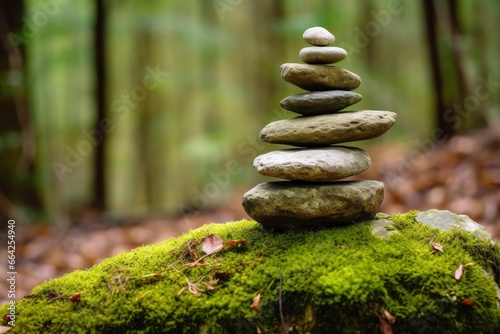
(280, 302)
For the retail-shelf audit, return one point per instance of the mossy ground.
(336, 280)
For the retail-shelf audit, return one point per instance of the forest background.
(142, 108)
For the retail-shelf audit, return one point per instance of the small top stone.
(318, 36)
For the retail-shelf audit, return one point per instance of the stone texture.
(319, 77)
(317, 164)
(316, 103)
(382, 227)
(322, 55)
(291, 204)
(318, 36)
(443, 220)
(446, 220)
(322, 130)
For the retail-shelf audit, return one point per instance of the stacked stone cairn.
(313, 195)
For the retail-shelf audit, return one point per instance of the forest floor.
(462, 175)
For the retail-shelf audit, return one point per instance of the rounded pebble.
(318, 36)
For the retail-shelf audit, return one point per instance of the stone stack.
(313, 194)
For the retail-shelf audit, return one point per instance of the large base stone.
(290, 204)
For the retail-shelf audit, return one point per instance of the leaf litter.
(210, 245)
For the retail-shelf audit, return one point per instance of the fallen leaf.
(468, 302)
(213, 281)
(222, 275)
(256, 303)
(5, 329)
(210, 284)
(437, 247)
(389, 317)
(211, 244)
(458, 272)
(193, 288)
(235, 242)
(75, 298)
(384, 325)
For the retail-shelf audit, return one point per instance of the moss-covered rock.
(337, 280)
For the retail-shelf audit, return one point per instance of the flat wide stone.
(317, 103)
(322, 130)
(292, 204)
(319, 77)
(322, 54)
(315, 164)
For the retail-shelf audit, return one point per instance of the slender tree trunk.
(146, 118)
(444, 121)
(99, 200)
(17, 162)
(478, 119)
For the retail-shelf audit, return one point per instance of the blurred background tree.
(136, 108)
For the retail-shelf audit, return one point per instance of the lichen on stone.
(330, 280)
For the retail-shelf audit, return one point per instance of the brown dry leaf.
(256, 303)
(213, 281)
(459, 272)
(222, 275)
(211, 244)
(437, 247)
(384, 325)
(210, 284)
(235, 242)
(193, 288)
(468, 302)
(389, 317)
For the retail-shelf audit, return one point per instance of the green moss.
(333, 280)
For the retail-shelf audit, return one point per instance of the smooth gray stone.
(443, 220)
(322, 130)
(292, 204)
(317, 103)
(314, 164)
(382, 227)
(318, 36)
(319, 77)
(322, 54)
(446, 220)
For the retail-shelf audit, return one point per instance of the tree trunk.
(99, 200)
(444, 122)
(17, 140)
